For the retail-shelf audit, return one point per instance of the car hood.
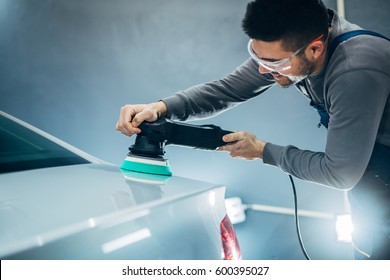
(50, 202)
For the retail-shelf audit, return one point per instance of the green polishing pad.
(147, 165)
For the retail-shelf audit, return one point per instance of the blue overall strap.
(320, 108)
(324, 117)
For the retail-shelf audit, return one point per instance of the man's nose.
(264, 70)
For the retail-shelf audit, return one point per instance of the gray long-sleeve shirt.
(354, 86)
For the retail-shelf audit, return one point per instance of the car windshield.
(24, 149)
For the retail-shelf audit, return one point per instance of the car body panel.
(44, 205)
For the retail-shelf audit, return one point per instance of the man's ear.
(316, 49)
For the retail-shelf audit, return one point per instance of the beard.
(305, 69)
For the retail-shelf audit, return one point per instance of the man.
(290, 42)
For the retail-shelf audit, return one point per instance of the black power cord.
(297, 219)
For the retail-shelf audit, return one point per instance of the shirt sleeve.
(209, 99)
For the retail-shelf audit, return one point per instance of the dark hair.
(295, 22)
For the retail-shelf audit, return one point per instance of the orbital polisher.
(146, 155)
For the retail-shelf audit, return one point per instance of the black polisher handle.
(207, 137)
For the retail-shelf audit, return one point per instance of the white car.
(57, 202)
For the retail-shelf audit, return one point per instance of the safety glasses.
(281, 65)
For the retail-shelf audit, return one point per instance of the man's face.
(287, 68)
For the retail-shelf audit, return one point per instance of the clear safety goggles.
(281, 65)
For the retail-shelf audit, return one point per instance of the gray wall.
(67, 66)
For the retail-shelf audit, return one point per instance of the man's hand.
(243, 145)
(131, 116)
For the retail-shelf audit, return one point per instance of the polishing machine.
(146, 154)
